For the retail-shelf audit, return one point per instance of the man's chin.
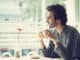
(51, 26)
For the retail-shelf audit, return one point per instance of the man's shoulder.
(72, 29)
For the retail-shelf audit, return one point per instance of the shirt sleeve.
(48, 52)
(73, 47)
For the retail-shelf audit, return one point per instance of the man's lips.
(51, 25)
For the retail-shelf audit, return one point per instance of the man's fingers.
(41, 35)
(47, 32)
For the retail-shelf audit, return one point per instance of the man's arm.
(47, 52)
(56, 43)
(73, 45)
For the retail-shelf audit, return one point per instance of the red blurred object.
(19, 29)
(3, 49)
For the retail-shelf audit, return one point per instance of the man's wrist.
(56, 43)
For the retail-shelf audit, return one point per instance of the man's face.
(51, 20)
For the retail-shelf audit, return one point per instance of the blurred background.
(21, 20)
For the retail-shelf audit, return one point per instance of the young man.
(65, 40)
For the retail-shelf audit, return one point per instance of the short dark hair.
(59, 12)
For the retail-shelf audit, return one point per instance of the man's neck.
(59, 29)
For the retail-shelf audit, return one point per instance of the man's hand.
(41, 36)
(51, 36)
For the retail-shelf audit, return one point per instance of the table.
(29, 58)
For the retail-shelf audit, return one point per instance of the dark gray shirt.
(69, 45)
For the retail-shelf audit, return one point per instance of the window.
(77, 13)
(27, 15)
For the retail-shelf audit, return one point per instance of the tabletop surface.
(29, 58)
